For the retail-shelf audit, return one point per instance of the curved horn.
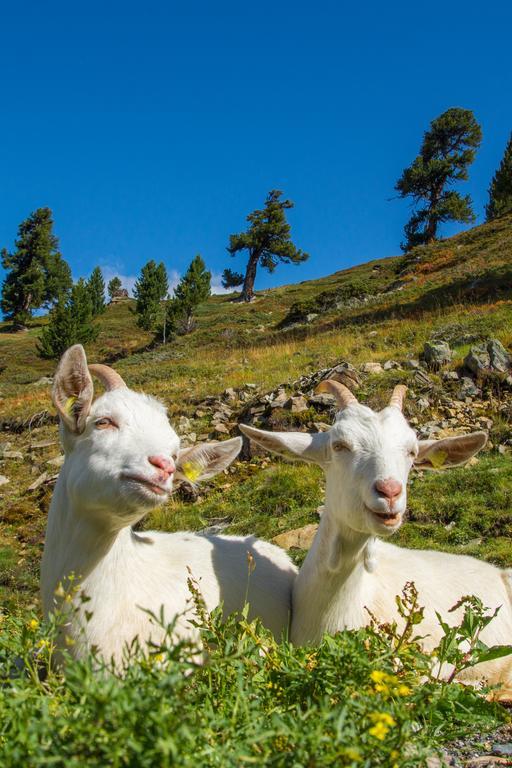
(108, 377)
(397, 398)
(342, 393)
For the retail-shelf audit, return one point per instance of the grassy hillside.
(459, 290)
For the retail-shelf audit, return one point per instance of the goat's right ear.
(293, 445)
(73, 389)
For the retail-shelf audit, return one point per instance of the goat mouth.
(389, 519)
(156, 489)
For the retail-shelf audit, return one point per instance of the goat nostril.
(389, 488)
(162, 463)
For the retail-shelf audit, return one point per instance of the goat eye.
(340, 446)
(104, 423)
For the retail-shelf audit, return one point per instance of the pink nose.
(162, 463)
(389, 488)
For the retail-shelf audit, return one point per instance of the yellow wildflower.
(378, 676)
(403, 690)
(33, 624)
(379, 731)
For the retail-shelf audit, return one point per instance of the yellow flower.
(403, 690)
(379, 731)
(378, 676)
(33, 624)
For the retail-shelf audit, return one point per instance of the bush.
(327, 300)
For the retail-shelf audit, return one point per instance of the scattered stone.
(372, 368)
(423, 403)
(229, 395)
(44, 381)
(57, 461)
(422, 380)
(4, 480)
(490, 357)
(412, 364)
(220, 429)
(436, 354)
(41, 445)
(392, 365)
(298, 538)
(450, 376)
(4, 447)
(346, 374)
(183, 424)
(468, 388)
(323, 400)
(37, 483)
(216, 525)
(12, 455)
(296, 404)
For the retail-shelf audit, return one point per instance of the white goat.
(367, 458)
(121, 456)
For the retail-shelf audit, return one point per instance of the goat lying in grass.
(121, 458)
(367, 458)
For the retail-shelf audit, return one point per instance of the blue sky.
(151, 129)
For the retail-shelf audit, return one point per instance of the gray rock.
(229, 395)
(44, 381)
(346, 374)
(490, 357)
(468, 388)
(422, 380)
(372, 368)
(423, 403)
(436, 354)
(4, 447)
(183, 424)
(57, 461)
(322, 400)
(4, 480)
(412, 365)
(297, 404)
(450, 376)
(392, 365)
(312, 316)
(13, 455)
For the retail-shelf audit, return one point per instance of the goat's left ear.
(200, 462)
(304, 446)
(450, 451)
(73, 389)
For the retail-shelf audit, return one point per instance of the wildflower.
(403, 690)
(378, 676)
(383, 721)
(379, 731)
(33, 624)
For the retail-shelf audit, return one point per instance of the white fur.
(348, 570)
(124, 574)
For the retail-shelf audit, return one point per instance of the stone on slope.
(298, 538)
(436, 354)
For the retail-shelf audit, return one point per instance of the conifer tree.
(150, 289)
(96, 286)
(37, 275)
(193, 288)
(70, 323)
(231, 279)
(267, 241)
(448, 149)
(113, 287)
(500, 191)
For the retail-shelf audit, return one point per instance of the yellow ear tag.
(69, 405)
(438, 458)
(191, 471)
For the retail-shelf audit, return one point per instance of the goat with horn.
(122, 460)
(367, 458)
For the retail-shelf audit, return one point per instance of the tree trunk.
(250, 276)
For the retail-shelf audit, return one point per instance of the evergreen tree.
(267, 241)
(231, 279)
(37, 275)
(193, 288)
(70, 323)
(96, 286)
(500, 191)
(114, 286)
(448, 149)
(150, 289)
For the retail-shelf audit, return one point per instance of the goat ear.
(450, 451)
(293, 445)
(73, 389)
(200, 462)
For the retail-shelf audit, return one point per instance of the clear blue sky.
(152, 128)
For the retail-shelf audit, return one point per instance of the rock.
(189, 439)
(44, 381)
(249, 386)
(346, 374)
(450, 376)
(468, 388)
(490, 357)
(4, 480)
(372, 368)
(220, 429)
(422, 380)
(12, 455)
(423, 404)
(4, 447)
(183, 424)
(392, 365)
(436, 354)
(57, 461)
(322, 400)
(42, 444)
(312, 316)
(412, 364)
(296, 404)
(40, 480)
(229, 395)
(298, 538)
(216, 525)
(279, 400)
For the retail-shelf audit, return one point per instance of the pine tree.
(448, 149)
(96, 286)
(231, 279)
(193, 288)
(70, 323)
(113, 287)
(267, 240)
(37, 275)
(500, 191)
(150, 289)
